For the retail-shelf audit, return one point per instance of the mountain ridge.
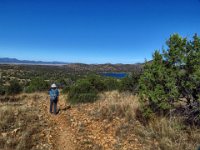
(77, 67)
(7, 60)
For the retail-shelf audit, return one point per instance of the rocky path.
(77, 129)
(60, 136)
(93, 133)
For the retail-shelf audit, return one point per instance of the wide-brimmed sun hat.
(53, 85)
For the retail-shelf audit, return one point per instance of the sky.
(93, 31)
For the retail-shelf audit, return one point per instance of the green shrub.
(65, 89)
(97, 82)
(1, 81)
(130, 83)
(86, 90)
(111, 84)
(66, 85)
(37, 84)
(2, 90)
(83, 91)
(14, 87)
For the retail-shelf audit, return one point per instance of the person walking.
(54, 96)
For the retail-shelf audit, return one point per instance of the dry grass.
(160, 132)
(115, 104)
(6, 118)
(20, 125)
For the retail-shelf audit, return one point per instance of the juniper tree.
(158, 88)
(176, 57)
(193, 68)
(184, 59)
(192, 80)
(173, 75)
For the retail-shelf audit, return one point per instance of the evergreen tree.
(158, 90)
(173, 76)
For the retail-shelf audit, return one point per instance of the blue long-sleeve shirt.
(54, 92)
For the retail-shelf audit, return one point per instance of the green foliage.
(66, 89)
(83, 91)
(97, 82)
(101, 83)
(111, 84)
(1, 81)
(130, 83)
(37, 84)
(86, 89)
(186, 66)
(14, 88)
(67, 84)
(172, 75)
(157, 86)
(2, 90)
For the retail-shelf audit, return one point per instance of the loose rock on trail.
(61, 136)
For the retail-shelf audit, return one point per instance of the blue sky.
(93, 31)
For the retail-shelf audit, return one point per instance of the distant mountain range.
(16, 61)
(77, 67)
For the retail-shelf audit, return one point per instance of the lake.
(114, 75)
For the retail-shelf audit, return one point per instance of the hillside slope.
(76, 128)
(111, 123)
(78, 67)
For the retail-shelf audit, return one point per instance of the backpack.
(53, 95)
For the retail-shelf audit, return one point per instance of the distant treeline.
(77, 67)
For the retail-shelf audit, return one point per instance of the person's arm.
(49, 92)
(58, 95)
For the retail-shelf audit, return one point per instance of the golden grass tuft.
(20, 125)
(6, 117)
(115, 104)
(161, 133)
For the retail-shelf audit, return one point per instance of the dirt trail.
(61, 136)
(77, 129)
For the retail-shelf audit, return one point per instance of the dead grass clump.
(21, 125)
(10, 99)
(7, 123)
(115, 104)
(168, 135)
(6, 118)
(123, 130)
(27, 138)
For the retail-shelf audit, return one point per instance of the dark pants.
(54, 105)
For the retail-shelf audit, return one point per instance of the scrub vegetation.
(156, 106)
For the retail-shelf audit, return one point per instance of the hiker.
(54, 95)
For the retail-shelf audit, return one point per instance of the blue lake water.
(114, 75)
